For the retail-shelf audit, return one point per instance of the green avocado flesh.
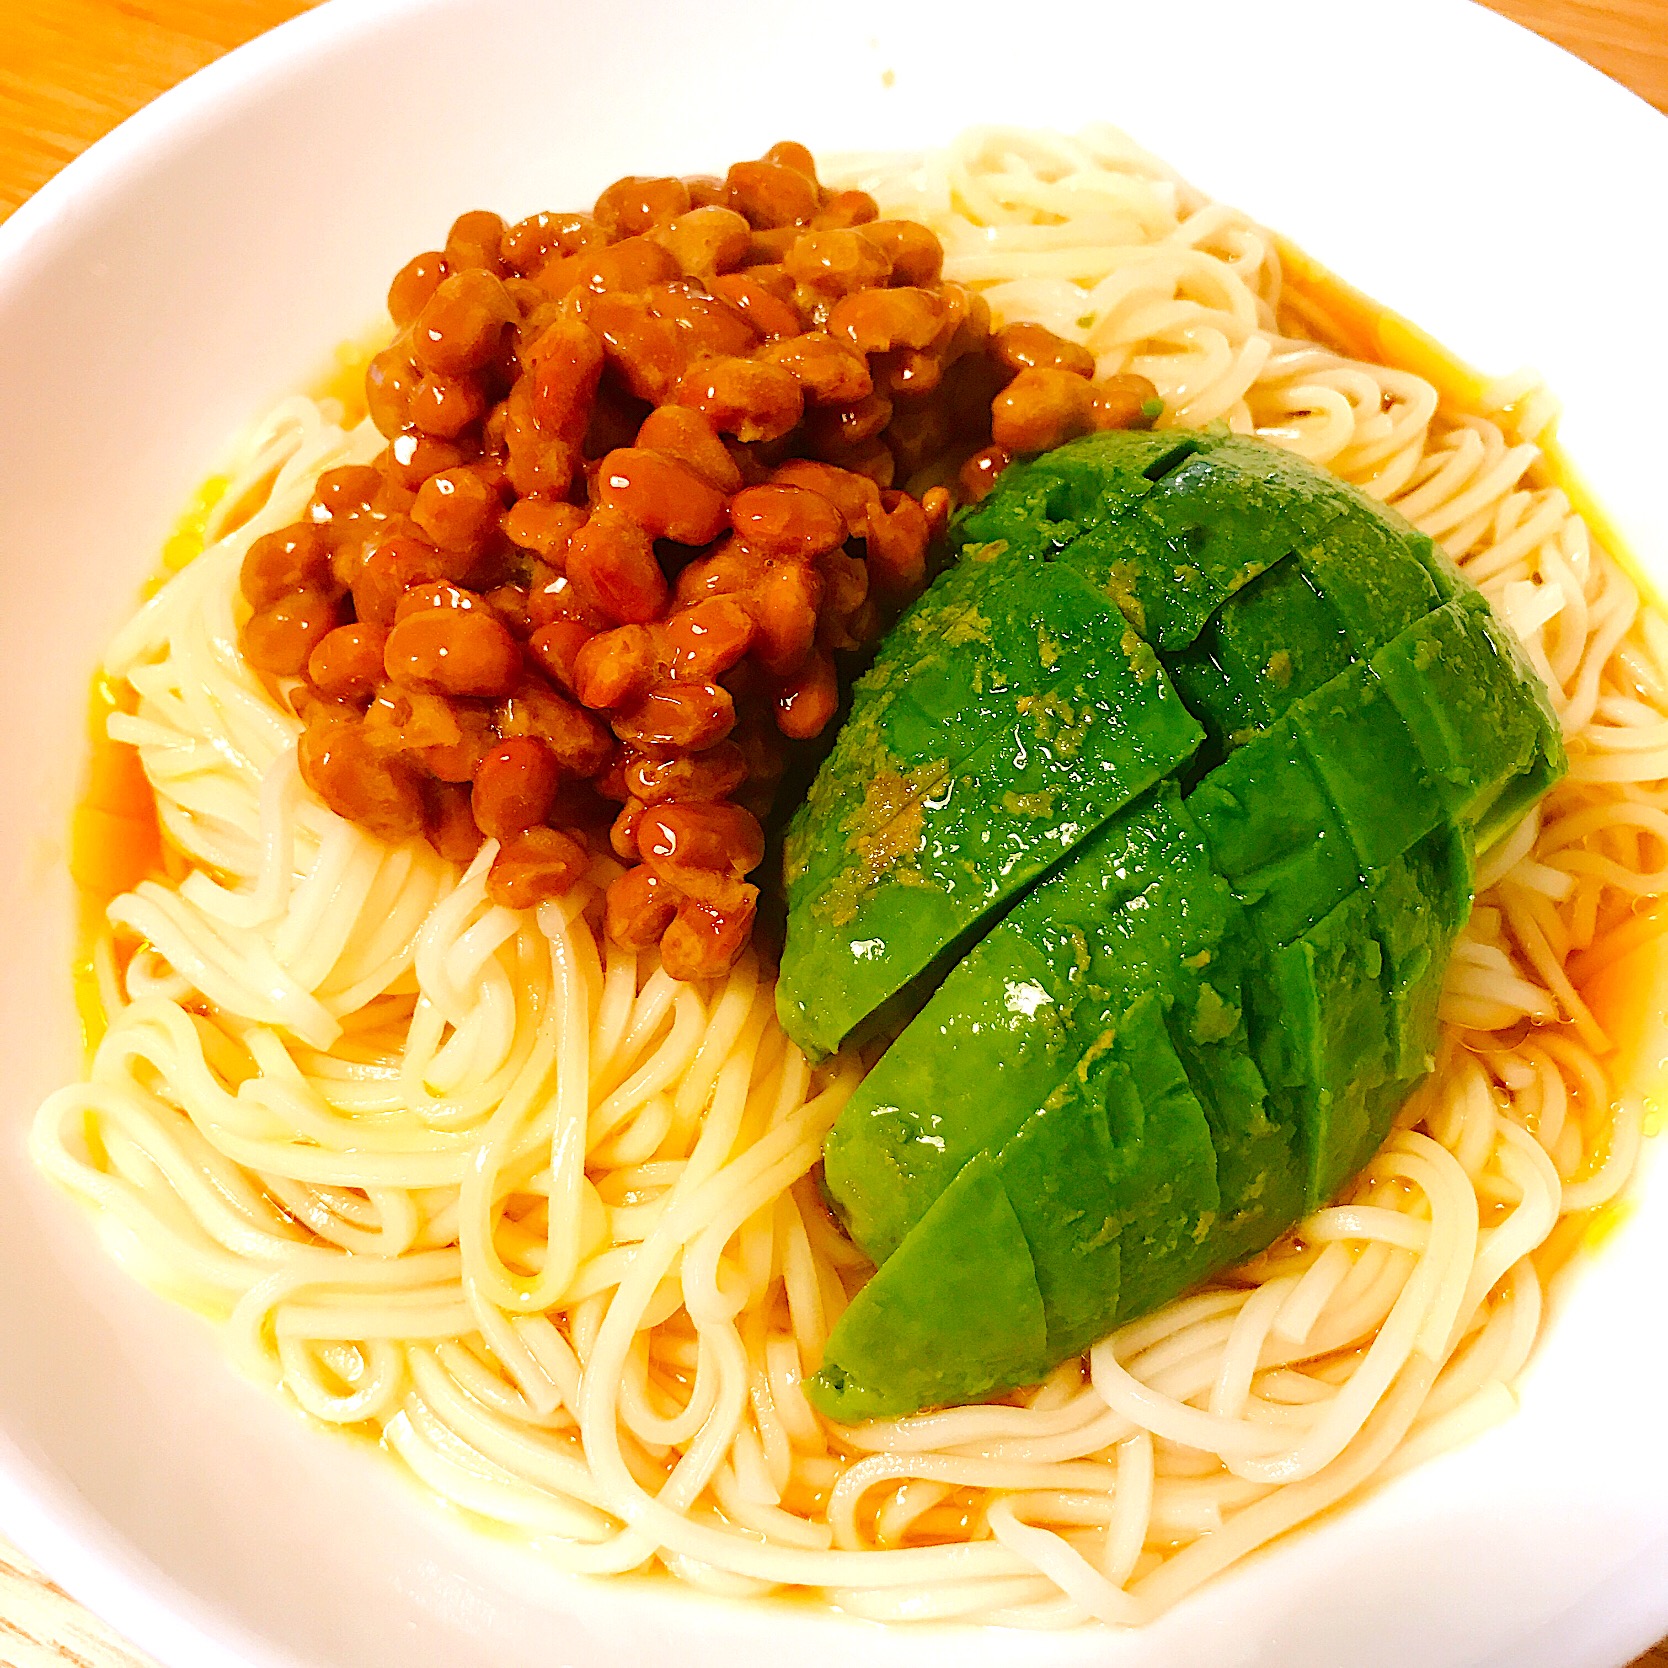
(1156, 819)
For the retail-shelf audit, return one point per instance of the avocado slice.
(1442, 570)
(986, 1050)
(1164, 1179)
(1046, 501)
(1320, 1028)
(1281, 637)
(1057, 1170)
(1273, 834)
(951, 1316)
(1180, 940)
(1207, 528)
(1370, 766)
(1455, 682)
(1029, 627)
(1267, 647)
(1116, 1164)
(947, 680)
(925, 857)
(1514, 801)
(1419, 904)
(1375, 571)
(1550, 761)
(1040, 990)
(1138, 921)
(1229, 713)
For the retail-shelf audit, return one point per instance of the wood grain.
(1627, 39)
(71, 69)
(41, 1626)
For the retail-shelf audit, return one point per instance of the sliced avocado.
(1057, 1172)
(1176, 1022)
(1369, 765)
(1140, 914)
(1375, 571)
(1019, 1262)
(944, 684)
(1266, 648)
(1194, 947)
(1047, 500)
(1164, 1181)
(923, 862)
(952, 1315)
(1454, 682)
(1443, 570)
(1321, 1032)
(1115, 1171)
(1041, 990)
(1207, 528)
(1281, 637)
(1179, 940)
(1543, 772)
(1254, 1137)
(1273, 834)
(1550, 761)
(1035, 627)
(1419, 904)
(1229, 712)
(1138, 920)
(979, 1058)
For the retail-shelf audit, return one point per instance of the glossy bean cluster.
(640, 506)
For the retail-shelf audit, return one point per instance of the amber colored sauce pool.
(116, 840)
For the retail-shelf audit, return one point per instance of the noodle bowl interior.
(456, 1160)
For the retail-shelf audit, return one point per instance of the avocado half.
(1159, 812)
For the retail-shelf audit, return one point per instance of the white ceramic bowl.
(204, 259)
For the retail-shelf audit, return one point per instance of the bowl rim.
(174, 113)
(66, 1537)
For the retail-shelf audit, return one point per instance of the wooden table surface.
(71, 69)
